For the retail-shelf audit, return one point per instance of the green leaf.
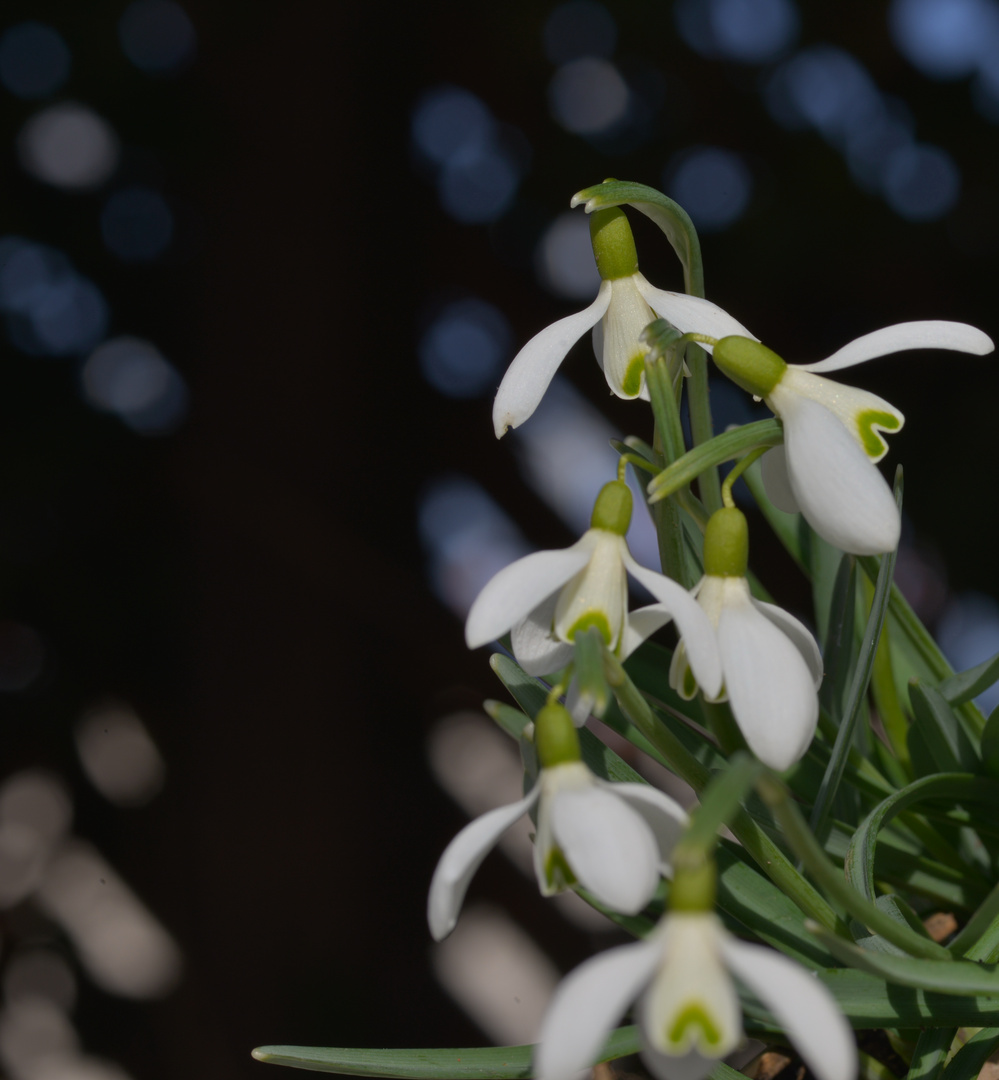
(528, 692)
(838, 639)
(709, 454)
(968, 1061)
(990, 743)
(868, 1002)
(969, 684)
(942, 976)
(588, 668)
(859, 863)
(948, 745)
(861, 679)
(669, 216)
(931, 1053)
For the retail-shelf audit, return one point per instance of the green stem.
(830, 878)
(768, 856)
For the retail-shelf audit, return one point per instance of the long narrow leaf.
(861, 679)
(931, 1053)
(969, 684)
(859, 863)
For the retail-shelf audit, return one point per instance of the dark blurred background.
(261, 269)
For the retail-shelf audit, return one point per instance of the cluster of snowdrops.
(616, 840)
(846, 768)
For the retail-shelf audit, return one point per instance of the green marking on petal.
(705, 1032)
(868, 423)
(591, 618)
(631, 384)
(689, 686)
(558, 872)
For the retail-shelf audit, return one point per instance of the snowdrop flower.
(626, 303)
(688, 1009)
(771, 665)
(614, 839)
(833, 433)
(547, 598)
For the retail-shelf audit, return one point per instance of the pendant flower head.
(833, 433)
(547, 598)
(771, 666)
(626, 303)
(613, 839)
(688, 1008)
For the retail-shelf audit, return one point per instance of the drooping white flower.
(614, 839)
(626, 303)
(549, 597)
(833, 433)
(771, 665)
(688, 1008)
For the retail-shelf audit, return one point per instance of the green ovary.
(584, 622)
(694, 1016)
(867, 424)
(558, 873)
(631, 384)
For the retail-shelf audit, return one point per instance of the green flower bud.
(613, 244)
(749, 364)
(612, 510)
(726, 543)
(555, 737)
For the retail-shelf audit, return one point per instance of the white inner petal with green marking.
(691, 1003)
(597, 595)
(623, 359)
(863, 414)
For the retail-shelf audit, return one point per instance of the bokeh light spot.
(137, 224)
(478, 184)
(945, 39)
(119, 756)
(564, 258)
(712, 184)
(588, 96)
(748, 31)
(579, 28)
(922, 183)
(129, 377)
(69, 146)
(463, 352)
(157, 36)
(449, 119)
(34, 60)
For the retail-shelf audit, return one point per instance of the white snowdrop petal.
(665, 816)
(462, 857)
(537, 651)
(864, 415)
(690, 1066)
(691, 623)
(691, 314)
(533, 368)
(578, 705)
(608, 846)
(622, 358)
(777, 482)
(911, 335)
(804, 1008)
(599, 589)
(517, 590)
(640, 625)
(799, 634)
(587, 1005)
(841, 493)
(691, 979)
(770, 687)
